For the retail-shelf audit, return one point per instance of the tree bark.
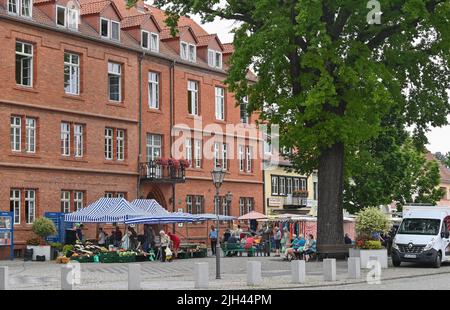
(330, 229)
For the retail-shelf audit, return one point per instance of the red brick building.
(89, 95)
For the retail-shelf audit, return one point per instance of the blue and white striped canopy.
(169, 218)
(213, 217)
(105, 210)
(149, 206)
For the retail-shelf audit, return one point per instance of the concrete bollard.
(134, 277)
(67, 277)
(4, 282)
(298, 271)
(354, 267)
(201, 275)
(329, 269)
(254, 273)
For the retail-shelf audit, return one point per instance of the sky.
(439, 138)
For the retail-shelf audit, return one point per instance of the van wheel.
(438, 261)
(396, 262)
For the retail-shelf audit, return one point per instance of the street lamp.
(218, 174)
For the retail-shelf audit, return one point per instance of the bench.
(333, 250)
(237, 248)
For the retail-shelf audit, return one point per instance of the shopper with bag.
(166, 253)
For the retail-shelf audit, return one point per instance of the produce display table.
(193, 250)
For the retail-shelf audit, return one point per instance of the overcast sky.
(439, 138)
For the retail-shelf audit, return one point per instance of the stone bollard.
(329, 269)
(354, 267)
(67, 277)
(4, 278)
(254, 273)
(201, 275)
(298, 271)
(134, 277)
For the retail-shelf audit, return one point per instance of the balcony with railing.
(291, 201)
(163, 171)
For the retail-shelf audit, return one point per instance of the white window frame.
(275, 185)
(192, 56)
(30, 58)
(73, 87)
(282, 186)
(113, 22)
(78, 132)
(241, 158)
(16, 134)
(220, 103)
(184, 50)
(65, 201)
(188, 149)
(65, 139)
(19, 6)
(153, 146)
(241, 206)
(112, 72)
(153, 90)
(120, 144)
(154, 42)
(72, 23)
(30, 2)
(199, 204)
(245, 117)
(146, 34)
(212, 59)
(198, 153)
(31, 200)
(15, 196)
(193, 103)
(296, 184)
(30, 134)
(216, 154)
(78, 200)
(65, 15)
(248, 158)
(224, 156)
(109, 195)
(189, 205)
(303, 184)
(109, 134)
(108, 35)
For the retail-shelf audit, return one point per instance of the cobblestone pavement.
(179, 275)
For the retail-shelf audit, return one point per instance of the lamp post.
(218, 174)
(229, 198)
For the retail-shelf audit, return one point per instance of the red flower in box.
(174, 162)
(162, 162)
(185, 163)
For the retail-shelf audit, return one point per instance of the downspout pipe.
(140, 61)
(172, 120)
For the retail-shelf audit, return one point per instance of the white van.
(423, 236)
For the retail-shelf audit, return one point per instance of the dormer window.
(67, 17)
(20, 7)
(188, 52)
(109, 29)
(215, 59)
(150, 41)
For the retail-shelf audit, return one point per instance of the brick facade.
(47, 171)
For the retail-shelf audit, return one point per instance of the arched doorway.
(156, 194)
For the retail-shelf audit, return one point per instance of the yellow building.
(288, 192)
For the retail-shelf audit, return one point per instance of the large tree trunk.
(330, 221)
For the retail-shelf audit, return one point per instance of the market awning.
(105, 210)
(176, 217)
(149, 206)
(210, 216)
(253, 215)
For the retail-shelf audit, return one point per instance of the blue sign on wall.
(58, 219)
(7, 231)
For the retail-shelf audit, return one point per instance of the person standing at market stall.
(164, 244)
(277, 240)
(101, 238)
(213, 236)
(175, 243)
(117, 237)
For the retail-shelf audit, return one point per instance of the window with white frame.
(198, 153)
(188, 149)
(250, 204)
(109, 29)
(248, 158)
(65, 201)
(78, 140)
(188, 51)
(20, 7)
(72, 18)
(220, 103)
(109, 195)
(65, 139)
(215, 59)
(114, 81)
(216, 154)
(122, 195)
(199, 204)
(16, 133)
(71, 74)
(241, 206)
(296, 184)
(30, 135)
(30, 205)
(145, 39)
(193, 98)
(109, 143)
(153, 90)
(24, 64)
(245, 119)
(275, 187)
(154, 147)
(303, 184)
(282, 190)
(225, 156)
(316, 192)
(289, 186)
(154, 42)
(189, 204)
(78, 200)
(61, 16)
(221, 155)
(120, 144)
(241, 158)
(14, 204)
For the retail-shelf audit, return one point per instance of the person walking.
(213, 237)
(175, 243)
(277, 240)
(164, 244)
(101, 238)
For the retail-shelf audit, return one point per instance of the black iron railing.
(155, 171)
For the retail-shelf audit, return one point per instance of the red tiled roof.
(228, 48)
(90, 7)
(133, 21)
